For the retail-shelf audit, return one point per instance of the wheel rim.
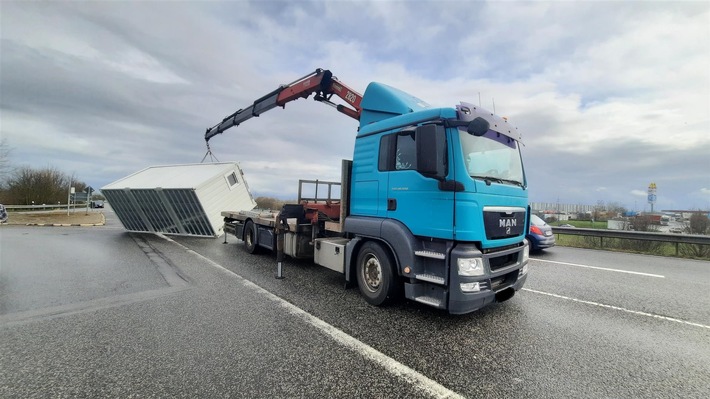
(372, 273)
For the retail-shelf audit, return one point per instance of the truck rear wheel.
(375, 274)
(250, 237)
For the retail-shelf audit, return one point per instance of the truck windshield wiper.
(489, 179)
(513, 182)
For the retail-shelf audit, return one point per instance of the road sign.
(80, 197)
(652, 193)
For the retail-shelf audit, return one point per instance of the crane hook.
(213, 158)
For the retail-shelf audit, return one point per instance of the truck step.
(431, 278)
(430, 254)
(427, 300)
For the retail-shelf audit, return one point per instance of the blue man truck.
(433, 205)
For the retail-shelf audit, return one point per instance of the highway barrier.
(676, 239)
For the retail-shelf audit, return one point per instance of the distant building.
(541, 207)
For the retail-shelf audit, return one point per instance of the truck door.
(412, 198)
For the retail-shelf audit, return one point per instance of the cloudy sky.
(609, 96)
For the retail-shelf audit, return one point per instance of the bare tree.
(599, 210)
(699, 223)
(615, 209)
(38, 186)
(271, 203)
(644, 223)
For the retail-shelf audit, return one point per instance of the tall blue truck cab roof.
(382, 103)
(386, 109)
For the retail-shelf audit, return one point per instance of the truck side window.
(406, 154)
(386, 156)
(398, 151)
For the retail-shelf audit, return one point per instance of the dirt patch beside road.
(52, 218)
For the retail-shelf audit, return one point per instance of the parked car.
(3, 214)
(97, 204)
(540, 235)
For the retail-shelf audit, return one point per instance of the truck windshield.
(492, 157)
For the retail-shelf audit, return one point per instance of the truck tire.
(375, 274)
(250, 237)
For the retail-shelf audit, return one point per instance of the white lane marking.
(419, 381)
(636, 312)
(599, 268)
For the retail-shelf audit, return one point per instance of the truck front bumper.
(505, 273)
(466, 302)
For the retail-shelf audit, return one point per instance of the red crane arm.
(321, 82)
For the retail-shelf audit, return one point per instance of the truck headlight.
(470, 266)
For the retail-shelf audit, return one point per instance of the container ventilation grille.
(170, 211)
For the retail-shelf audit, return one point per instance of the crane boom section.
(321, 82)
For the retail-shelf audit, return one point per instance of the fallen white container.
(179, 199)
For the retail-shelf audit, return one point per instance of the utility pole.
(71, 191)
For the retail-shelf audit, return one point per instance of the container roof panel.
(172, 176)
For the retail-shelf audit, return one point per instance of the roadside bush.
(696, 251)
(699, 223)
(271, 203)
(651, 247)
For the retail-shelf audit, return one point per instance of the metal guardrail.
(43, 206)
(635, 235)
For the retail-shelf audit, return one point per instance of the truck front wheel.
(250, 237)
(375, 274)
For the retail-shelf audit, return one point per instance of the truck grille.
(500, 262)
(503, 222)
(503, 281)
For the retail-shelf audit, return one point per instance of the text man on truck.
(433, 204)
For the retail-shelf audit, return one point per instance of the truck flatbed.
(261, 217)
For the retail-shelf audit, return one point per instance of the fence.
(42, 207)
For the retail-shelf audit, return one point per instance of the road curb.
(101, 223)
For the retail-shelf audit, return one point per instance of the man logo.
(507, 223)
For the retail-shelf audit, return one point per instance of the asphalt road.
(98, 312)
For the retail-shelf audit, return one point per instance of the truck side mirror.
(431, 151)
(478, 127)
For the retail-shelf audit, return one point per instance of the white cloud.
(607, 95)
